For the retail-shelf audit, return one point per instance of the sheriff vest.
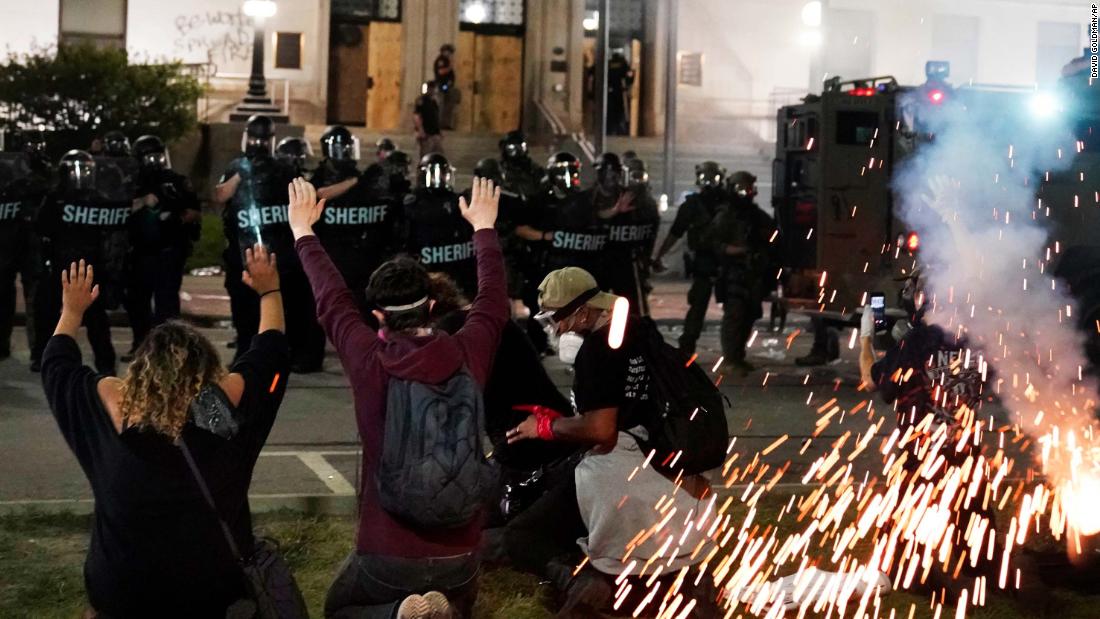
(630, 234)
(438, 254)
(94, 215)
(579, 241)
(262, 216)
(9, 210)
(354, 215)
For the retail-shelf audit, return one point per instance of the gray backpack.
(433, 472)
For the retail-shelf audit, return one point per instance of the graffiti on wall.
(224, 38)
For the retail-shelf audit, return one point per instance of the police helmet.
(34, 143)
(294, 150)
(563, 170)
(150, 152)
(116, 144)
(635, 173)
(77, 169)
(435, 172)
(397, 164)
(383, 147)
(339, 144)
(258, 138)
(488, 168)
(709, 175)
(609, 169)
(741, 184)
(513, 145)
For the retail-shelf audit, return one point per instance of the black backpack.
(433, 472)
(691, 416)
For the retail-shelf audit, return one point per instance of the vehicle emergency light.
(936, 96)
(912, 242)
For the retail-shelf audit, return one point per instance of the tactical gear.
(488, 168)
(294, 151)
(77, 170)
(709, 175)
(338, 144)
(435, 172)
(513, 145)
(150, 152)
(741, 184)
(563, 170)
(116, 144)
(258, 138)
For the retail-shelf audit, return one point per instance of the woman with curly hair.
(157, 549)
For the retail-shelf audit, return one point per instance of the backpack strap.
(209, 499)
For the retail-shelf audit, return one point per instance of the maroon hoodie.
(370, 358)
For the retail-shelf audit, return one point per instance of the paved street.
(310, 460)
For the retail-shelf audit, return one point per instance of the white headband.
(402, 308)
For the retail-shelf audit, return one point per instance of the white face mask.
(568, 345)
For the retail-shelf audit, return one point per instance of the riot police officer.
(740, 239)
(396, 170)
(116, 144)
(693, 219)
(375, 174)
(295, 152)
(78, 222)
(360, 227)
(519, 174)
(509, 216)
(163, 227)
(254, 191)
(438, 236)
(24, 182)
(339, 157)
(632, 233)
(382, 149)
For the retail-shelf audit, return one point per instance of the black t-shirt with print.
(614, 378)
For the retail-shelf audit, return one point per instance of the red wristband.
(545, 425)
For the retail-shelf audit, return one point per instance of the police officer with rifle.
(165, 223)
(693, 219)
(79, 222)
(254, 191)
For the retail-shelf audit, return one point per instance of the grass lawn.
(41, 557)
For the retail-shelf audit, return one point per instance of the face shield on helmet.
(707, 177)
(253, 146)
(295, 151)
(742, 186)
(609, 172)
(340, 147)
(513, 149)
(565, 175)
(156, 161)
(635, 175)
(436, 175)
(78, 171)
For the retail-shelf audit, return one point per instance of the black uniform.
(360, 230)
(24, 183)
(741, 285)
(257, 213)
(693, 219)
(630, 240)
(83, 225)
(578, 237)
(160, 243)
(440, 238)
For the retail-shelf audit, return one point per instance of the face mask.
(569, 344)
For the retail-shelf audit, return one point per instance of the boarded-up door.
(384, 61)
(489, 74)
(347, 71)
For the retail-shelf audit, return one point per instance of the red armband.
(544, 419)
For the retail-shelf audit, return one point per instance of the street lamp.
(258, 10)
(256, 101)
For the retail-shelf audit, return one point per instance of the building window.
(492, 12)
(366, 10)
(1057, 44)
(101, 23)
(691, 69)
(955, 39)
(288, 50)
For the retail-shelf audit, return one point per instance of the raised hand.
(481, 212)
(304, 209)
(78, 290)
(260, 273)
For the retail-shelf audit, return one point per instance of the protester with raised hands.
(156, 540)
(420, 413)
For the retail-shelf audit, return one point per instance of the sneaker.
(439, 605)
(414, 607)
